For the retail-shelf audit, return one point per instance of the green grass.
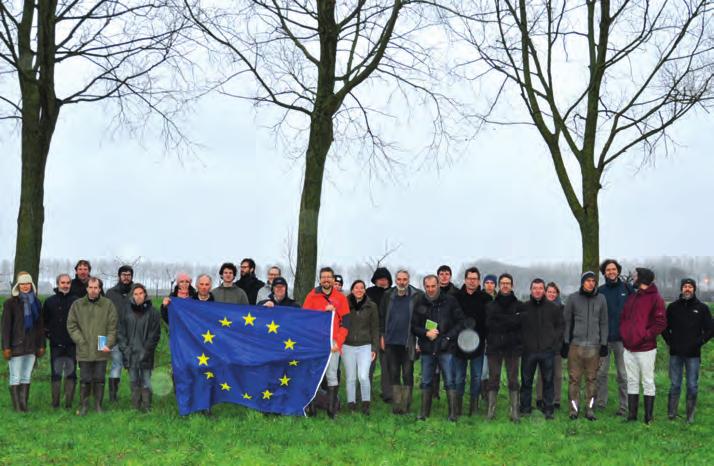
(238, 435)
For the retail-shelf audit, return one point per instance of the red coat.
(643, 318)
(316, 300)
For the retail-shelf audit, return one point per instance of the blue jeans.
(140, 377)
(117, 363)
(429, 363)
(529, 362)
(20, 369)
(460, 365)
(677, 365)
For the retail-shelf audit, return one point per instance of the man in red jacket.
(326, 298)
(643, 318)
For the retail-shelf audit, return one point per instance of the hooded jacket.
(55, 312)
(138, 334)
(504, 326)
(586, 320)
(689, 327)
(643, 318)
(14, 336)
(615, 293)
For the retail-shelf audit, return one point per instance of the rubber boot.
(352, 407)
(590, 411)
(365, 408)
(672, 406)
(632, 402)
(69, 387)
(649, 409)
(515, 406)
(452, 396)
(84, 390)
(691, 407)
(491, 413)
(15, 397)
(459, 404)
(98, 396)
(135, 396)
(473, 405)
(425, 410)
(407, 398)
(396, 399)
(436, 385)
(310, 410)
(113, 390)
(332, 401)
(24, 396)
(56, 388)
(146, 396)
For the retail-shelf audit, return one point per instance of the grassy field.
(238, 435)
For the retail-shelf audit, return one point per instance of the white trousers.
(640, 366)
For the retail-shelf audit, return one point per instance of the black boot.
(311, 411)
(632, 402)
(691, 407)
(436, 386)
(473, 405)
(515, 406)
(146, 396)
(425, 404)
(459, 404)
(135, 395)
(649, 409)
(69, 387)
(98, 396)
(397, 399)
(407, 398)
(84, 390)
(451, 396)
(56, 388)
(352, 407)
(24, 396)
(672, 406)
(15, 397)
(365, 408)
(113, 390)
(332, 401)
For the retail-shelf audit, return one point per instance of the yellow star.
(284, 380)
(225, 322)
(203, 359)
(272, 327)
(267, 394)
(225, 387)
(207, 337)
(289, 344)
(294, 362)
(209, 375)
(249, 319)
(247, 397)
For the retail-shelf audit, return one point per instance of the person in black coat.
(82, 271)
(436, 322)
(248, 281)
(279, 295)
(473, 301)
(63, 352)
(689, 327)
(382, 281)
(503, 344)
(542, 327)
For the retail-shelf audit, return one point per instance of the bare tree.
(599, 79)
(309, 58)
(89, 51)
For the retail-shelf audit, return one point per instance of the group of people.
(452, 331)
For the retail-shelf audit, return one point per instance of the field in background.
(238, 435)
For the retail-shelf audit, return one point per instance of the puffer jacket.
(643, 318)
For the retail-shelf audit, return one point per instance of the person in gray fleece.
(585, 342)
(227, 291)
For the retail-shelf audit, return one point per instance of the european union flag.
(269, 359)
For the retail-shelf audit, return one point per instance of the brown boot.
(397, 399)
(491, 413)
(15, 397)
(365, 408)
(473, 405)
(146, 396)
(135, 396)
(69, 387)
(84, 390)
(56, 388)
(24, 396)
(515, 408)
(425, 411)
(98, 396)
(407, 398)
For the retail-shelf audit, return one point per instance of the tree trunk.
(589, 222)
(321, 127)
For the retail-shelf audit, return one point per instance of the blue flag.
(269, 359)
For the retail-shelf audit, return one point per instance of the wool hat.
(22, 279)
(688, 281)
(381, 272)
(490, 278)
(645, 276)
(340, 280)
(587, 275)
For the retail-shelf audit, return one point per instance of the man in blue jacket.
(615, 290)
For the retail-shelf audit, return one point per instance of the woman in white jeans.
(361, 345)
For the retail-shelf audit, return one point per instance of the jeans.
(557, 381)
(357, 361)
(63, 362)
(429, 363)
(640, 365)
(460, 366)
(140, 377)
(332, 366)
(618, 352)
(544, 361)
(92, 371)
(117, 363)
(401, 366)
(677, 365)
(495, 361)
(21, 369)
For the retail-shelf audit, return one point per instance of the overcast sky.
(112, 195)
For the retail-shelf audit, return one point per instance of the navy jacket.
(615, 294)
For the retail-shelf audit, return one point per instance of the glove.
(40, 352)
(603, 351)
(564, 350)
(7, 354)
